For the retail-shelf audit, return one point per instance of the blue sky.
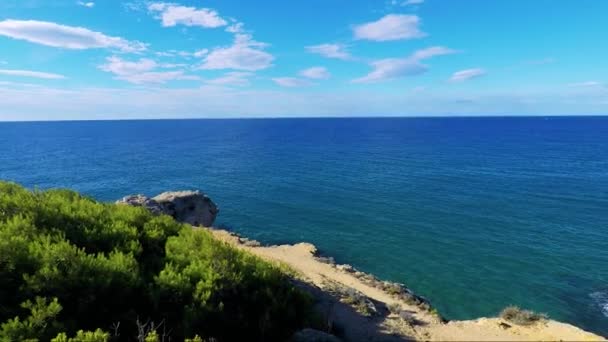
(109, 59)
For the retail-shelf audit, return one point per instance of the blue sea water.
(473, 213)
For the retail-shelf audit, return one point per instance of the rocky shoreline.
(366, 308)
(397, 290)
(356, 306)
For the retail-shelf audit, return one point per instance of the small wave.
(601, 299)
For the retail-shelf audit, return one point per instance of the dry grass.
(519, 316)
(409, 299)
(408, 318)
(393, 289)
(359, 302)
(394, 308)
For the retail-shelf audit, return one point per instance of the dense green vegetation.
(73, 269)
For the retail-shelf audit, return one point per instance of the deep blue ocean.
(473, 213)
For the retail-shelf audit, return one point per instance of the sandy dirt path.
(386, 326)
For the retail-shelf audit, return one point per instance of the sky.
(110, 59)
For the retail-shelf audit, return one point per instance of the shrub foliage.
(71, 266)
(519, 316)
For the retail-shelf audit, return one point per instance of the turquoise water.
(474, 213)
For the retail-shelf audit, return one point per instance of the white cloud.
(134, 6)
(86, 4)
(317, 73)
(173, 65)
(157, 77)
(236, 27)
(390, 27)
(200, 53)
(185, 54)
(234, 78)
(118, 66)
(391, 68)
(336, 51)
(587, 84)
(67, 37)
(244, 54)
(432, 52)
(164, 54)
(173, 14)
(33, 74)
(465, 75)
(291, 82)
(15, 85)
(314, 73)
(142, 71)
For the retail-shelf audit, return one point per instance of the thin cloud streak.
(468, 74)
(32, 74)
(67, 37)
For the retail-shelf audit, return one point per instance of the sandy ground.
(384, 326)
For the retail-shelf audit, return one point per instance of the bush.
(359, 302)
(518, 316)
(70, 265)
(41, 314)
(84, 336)
(394, 308)
(408, 318)
(393, 288)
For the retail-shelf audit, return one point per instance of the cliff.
(356, 306)
(359, 307)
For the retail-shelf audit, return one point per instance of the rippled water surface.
(474, 213)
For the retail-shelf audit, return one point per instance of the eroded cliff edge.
(354, 305)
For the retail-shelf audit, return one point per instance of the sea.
(473, 213)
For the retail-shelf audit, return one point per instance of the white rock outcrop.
(191, 207)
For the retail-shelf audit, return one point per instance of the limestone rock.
(142, 201)
(192, 207)
(345, 268)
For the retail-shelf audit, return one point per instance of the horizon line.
(455, 116)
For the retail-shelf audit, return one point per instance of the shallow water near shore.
(473, 213)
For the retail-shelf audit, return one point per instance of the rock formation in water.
(191, 207)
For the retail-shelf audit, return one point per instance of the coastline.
(368, 309)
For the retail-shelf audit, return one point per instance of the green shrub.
(518, 316)
(41, 315)
(70, 265)
(393, 289)
(84, 336)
